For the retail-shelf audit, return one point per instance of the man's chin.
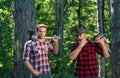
(41, 37)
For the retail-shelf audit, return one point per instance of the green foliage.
(6, 36)
(61, 66)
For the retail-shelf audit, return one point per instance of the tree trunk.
(79, 9)
(57, 17)
(115, 37)
(59, 21)
(101, 60)
(24, 17)
(61, 26)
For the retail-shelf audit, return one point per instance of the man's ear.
(85, 34)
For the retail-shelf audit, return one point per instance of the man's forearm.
(56, 45)
(28, 65)
(105, 51)
(73, 55)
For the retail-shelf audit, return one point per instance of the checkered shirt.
(86, 60)
(37, 53)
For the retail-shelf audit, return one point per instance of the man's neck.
(41, 39)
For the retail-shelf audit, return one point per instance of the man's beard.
(79, 39)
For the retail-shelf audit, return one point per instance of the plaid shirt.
(37, 53)
(86, 66)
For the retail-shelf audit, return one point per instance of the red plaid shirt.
(37, 53)
(86, 66)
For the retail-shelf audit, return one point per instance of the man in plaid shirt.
(35, 53)
(84, 52)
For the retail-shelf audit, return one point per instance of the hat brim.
(43, 26)
(78, 33)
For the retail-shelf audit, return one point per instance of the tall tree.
(61, 24)
(24, 17)
(115, 39)
(101, 65)
(57, 16)
(59, 20)
(79, 10)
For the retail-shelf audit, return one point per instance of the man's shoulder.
(28, 42)
(34, 39)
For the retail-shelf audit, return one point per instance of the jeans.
(42, 76)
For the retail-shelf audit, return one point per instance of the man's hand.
(29, 66)
(35, 73)
(55, 38)
(100, 40)
(82, 42)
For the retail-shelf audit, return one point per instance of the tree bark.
(79, 13)
(61, 26)
(101, 60)
(57, 17)
(24, 18)
(115, 39)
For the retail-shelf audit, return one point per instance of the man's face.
(41, 32)
(81, 36)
